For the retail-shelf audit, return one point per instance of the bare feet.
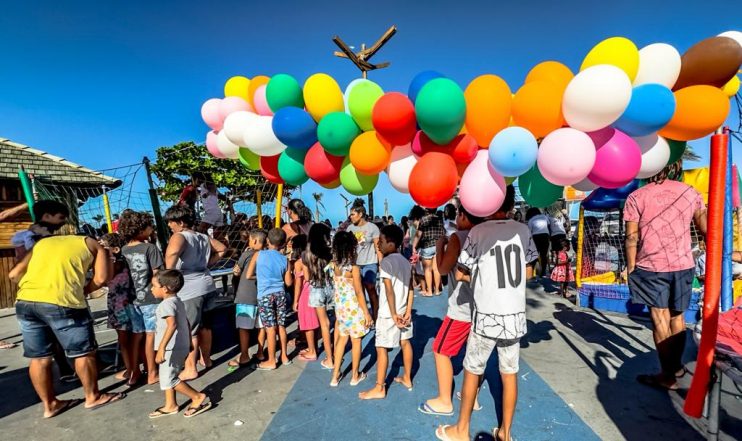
(447, 432)
(188, 375)
(327, 364)
(59, 406)
(105, 399)
(406, 382)
(266, 366)
(153, 379)
(377, 392)
(438, 406)
(122, 375)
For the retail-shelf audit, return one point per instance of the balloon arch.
(627, 113)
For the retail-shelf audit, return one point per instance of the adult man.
(51, 300)
(660, 263)
(369, 256)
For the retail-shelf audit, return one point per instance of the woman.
(301, 219)
(192, 253)
(430, 230)
(539, 225)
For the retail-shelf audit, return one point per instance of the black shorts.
(662, 290)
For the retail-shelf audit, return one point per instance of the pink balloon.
(211, 115)
(233, 104)
(211, 145)
(482, 190)
(566, 156)
(261, 102)
(618, 158)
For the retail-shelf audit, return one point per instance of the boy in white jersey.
(497, 260)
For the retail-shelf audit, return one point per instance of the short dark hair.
(277, 237)
(180, 213)
(259, 234)
(475, 220)
(416, 213)
(51, 207)
(113, 240)
(393, 234)
(133, 223)
(509, 202)
(171, 279)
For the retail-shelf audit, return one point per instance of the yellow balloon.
(256, 82)
(732, 87)
(322, 95)
(617, 51)
(237, 86)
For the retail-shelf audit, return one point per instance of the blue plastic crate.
(616, 298)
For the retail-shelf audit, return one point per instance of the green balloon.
(677, 148)
(441, 110)
(536, 190)
(336, 132)
(249, 159)
(361, 102)
(291, 166)
(283, 91)
(356, 183)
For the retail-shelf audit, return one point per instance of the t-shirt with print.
(366, 235)
(539, 224)
(398, 270)
(664, 212)
(181, 340)
(495, 254)
(556, 226)
(143, 259)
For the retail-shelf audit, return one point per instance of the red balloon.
(422, 144)
(321, 166)
(393, 118)
(433, 180)
(463, 148)
(269, 169)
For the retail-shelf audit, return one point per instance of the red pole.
(712, 289)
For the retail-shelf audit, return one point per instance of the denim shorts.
(143, 318)
(368, 273)
(72, 327)
(321, 297)
(427, 253)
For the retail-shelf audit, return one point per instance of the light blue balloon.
(650, 109)
(513, 151)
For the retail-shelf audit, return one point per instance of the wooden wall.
(7, 288)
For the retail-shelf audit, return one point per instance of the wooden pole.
(259, 205)
(279, 203)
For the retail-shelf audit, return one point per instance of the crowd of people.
(341, 283)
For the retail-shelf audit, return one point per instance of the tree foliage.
(175, 165)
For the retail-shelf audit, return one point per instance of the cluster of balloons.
(627, 113)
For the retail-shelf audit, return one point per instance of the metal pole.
(727, 300)
(279, 203)
(259, 204)
(161, 232)
(714, 400)
(107, 209)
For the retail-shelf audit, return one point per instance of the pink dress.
(307, 315)
(562, 270)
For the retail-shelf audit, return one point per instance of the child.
(497, 260)
(246, 300)
(353, 317)
(308, 320)
(394, 325)
(120, 295)
(315, 260)
(173, 342)
(562, 271)
(272, 271)
(144, 259)
(213, 216)
(456, 325)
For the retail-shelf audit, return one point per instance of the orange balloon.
(488, 104)
(537, 106)
(260, 80)
(553, 71)
(370, 153)
(699, 111)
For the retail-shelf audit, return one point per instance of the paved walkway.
(577, 382)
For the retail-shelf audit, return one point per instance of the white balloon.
(658, 63)
(584, 185)
(596, 97)
(259, 137)
(227, 147)
(235, 124)
(655, 154)
(400, 167)
(734, 35)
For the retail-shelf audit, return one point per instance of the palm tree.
(98, 218)
(317, 204)
(689, 154)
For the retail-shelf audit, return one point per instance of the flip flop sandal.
(324, 366)
(302, 357)
(495, 431)
(203, 407)
(428, 410)
(7, 345)
(403, 385)
(261, 368)
(66, 405)
(360, 378)
(652, 381)
(440, 433)
(287, 363)
(112, 398)
(236, 366)
(477, 406)
(334, 383)
(160, 413)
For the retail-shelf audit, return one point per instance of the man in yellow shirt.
(51, 300)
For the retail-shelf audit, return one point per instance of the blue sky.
(105, 83)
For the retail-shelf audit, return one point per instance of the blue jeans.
(368, 273)
(72, 327)
(143, 318)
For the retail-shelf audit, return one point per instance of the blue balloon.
(295, 127)
(650, 109)
(513, 151)
(419, 81)
(609, 199)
